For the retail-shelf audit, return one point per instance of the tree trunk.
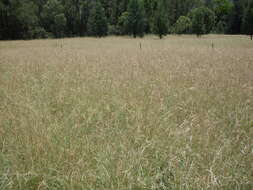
(160, 36)
(251, 36)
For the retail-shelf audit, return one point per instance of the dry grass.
(90, 113)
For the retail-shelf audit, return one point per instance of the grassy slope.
(90, 113)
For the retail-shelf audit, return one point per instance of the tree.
(123, 23)
(177, 8)
(60, 25)
(161, 20)
(203, 20)
(248, 21)
(50, 10)
(149, 6)
(17, 20)
(183, 25)
(97, 23)
(235, 17)
(222, 9)
(26, 15)
(135, 22)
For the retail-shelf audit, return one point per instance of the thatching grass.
(90, 113)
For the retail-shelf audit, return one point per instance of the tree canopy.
(160, 20)
(28, 19)
(202, 20)
(97, 23)
(248, 20)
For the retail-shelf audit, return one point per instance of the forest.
(33, 19)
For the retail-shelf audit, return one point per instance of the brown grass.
(90, 113)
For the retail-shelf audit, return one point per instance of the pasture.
(127, 114)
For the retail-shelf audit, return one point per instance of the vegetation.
(29, 19)
(87, 113)
(135, 18)
(161, 19)
(202, 20)
(248, 20)
(183, 25)
(97, 24)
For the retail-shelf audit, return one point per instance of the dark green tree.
(222, 9)
(248, 21)
(48, 16)
(18, 19)
(27, 19)
(97, 23)
(123, 23)
(135, 22)
(203, 20)
(149, 6)
(235, 17)
(177, 8)
(76, 12)
(60, 25)
(161, 20)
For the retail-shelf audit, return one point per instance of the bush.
(221, 27)
(203, 20)
(113, 30)
(183, 25)
(123, 22)
(60, 24)
(40, 33)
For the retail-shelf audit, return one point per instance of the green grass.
(93, 114)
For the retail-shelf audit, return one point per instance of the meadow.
(118, 113)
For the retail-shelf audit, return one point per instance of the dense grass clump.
(105, 114)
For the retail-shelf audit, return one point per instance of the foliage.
(220, 27)
(135, 21)
(183, 25)
(202, 20)
(60, 23)
(97, 23)
(53, 11)
(222, 8)
(23, 19)
(248, 20)
(123, 22)
(160, 20)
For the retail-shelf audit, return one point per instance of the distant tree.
(135, 22)
(183, 25)
(76, 12)
(48, 15)
(26, 16)
(222, 9)
(18, 19)
(161, 20)
(123, 23)
(60, 25)
(203, 20)
(149, 6)
(248, 21)
(177, 8)
(235, 17)
(97, 23)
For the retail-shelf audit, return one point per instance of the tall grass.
(92, 114)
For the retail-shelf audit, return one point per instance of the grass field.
(105, 114)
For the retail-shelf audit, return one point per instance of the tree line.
(31, 19)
